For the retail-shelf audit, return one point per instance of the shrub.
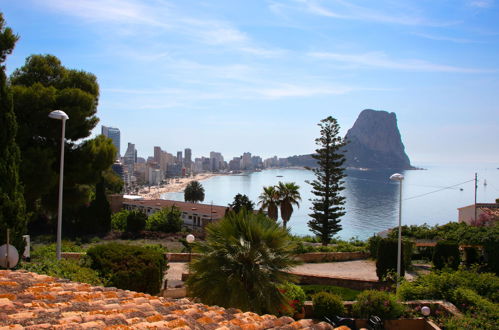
(470, 321)
(491, 247)
(441, 285)
(468, 300)
(167, 220)
(344, 293)
(387, 258)
(373, 243)
(327, 304)
(135, 222)
(470, 256)
(379, 303)
(446, 254)
(69, 269)
(118, 220)
(295, 296)
(129, 267)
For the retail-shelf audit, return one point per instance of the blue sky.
(236, 76)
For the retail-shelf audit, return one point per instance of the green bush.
(344, 293)
(327, 304)
(295, 296)
(167, 220)
(490, 248)
(470, 256)
(441, 285)
(387, 258)
(468, 300)
(118, 220)
(446, 255)
(470, 321)
(69, 269)
(379, 303)
(129, 267)
(135, 222)
(373, 243)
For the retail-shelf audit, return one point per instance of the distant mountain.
(374, 141)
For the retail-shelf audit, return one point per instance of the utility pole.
(476, 187)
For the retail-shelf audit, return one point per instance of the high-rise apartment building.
(187, 156)
(130, 154)
(157, 154)
(114, 134)
(179, 158)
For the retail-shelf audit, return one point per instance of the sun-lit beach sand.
(175, 185)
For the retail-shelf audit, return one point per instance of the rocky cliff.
(374, 142)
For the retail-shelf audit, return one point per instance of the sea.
(431, 195)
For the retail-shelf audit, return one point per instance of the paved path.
(355, 269)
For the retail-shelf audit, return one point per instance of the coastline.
(177, 186)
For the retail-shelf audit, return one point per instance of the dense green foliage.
(373, 243)
(194, 192)
(129, 267)
(441, 285)
(289, 195)
(337, 246)
(167, 220)
(12, 204)
(43, 261)
(344, 293)
(241, 202)
(475, 294)
(327, 304)
(135, 221)
(269, 200)
(446, 255)
(118, 220)
(327, 207)
(295, 297)
(387, 258)
(41, 85)
(379, 303)
(244, 259)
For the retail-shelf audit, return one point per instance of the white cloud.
(380, 60)
(443, 38)
(482, 3)
(347, 10)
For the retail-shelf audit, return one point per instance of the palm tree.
(269, 200)
(194, 192)
(244, 260)
(289, 195)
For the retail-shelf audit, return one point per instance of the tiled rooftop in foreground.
(33, 301)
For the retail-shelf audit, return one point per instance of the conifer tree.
(12, 206)
(327, 207)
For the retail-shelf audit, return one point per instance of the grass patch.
(344, 293)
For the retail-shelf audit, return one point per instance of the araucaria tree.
(245, 258)
(194, 192)
(327, 207)
(12, 206)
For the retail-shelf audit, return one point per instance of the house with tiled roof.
(193, 214)
(33, 301)
(467, 213)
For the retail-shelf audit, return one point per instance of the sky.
(236, 76)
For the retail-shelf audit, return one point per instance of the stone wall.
(331, 256)
(343, 282)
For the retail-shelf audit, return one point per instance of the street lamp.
(190, 239)
(60, 115)
(399, 177)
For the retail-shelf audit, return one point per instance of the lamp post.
(60, 115)
(190, 239)
(399, 177)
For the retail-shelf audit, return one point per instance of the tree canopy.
(289, 195)
(12, 205)
(194, 192)
(327, 208)
(241, 202)
(40, 86)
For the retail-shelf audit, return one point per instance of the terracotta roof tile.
(32, 301)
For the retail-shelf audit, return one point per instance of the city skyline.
(259, 76)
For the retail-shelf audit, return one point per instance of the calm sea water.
(372, 200)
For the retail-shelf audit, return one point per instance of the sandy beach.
(175, 185)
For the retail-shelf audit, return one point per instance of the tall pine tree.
(327, 207)
(12, 206)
